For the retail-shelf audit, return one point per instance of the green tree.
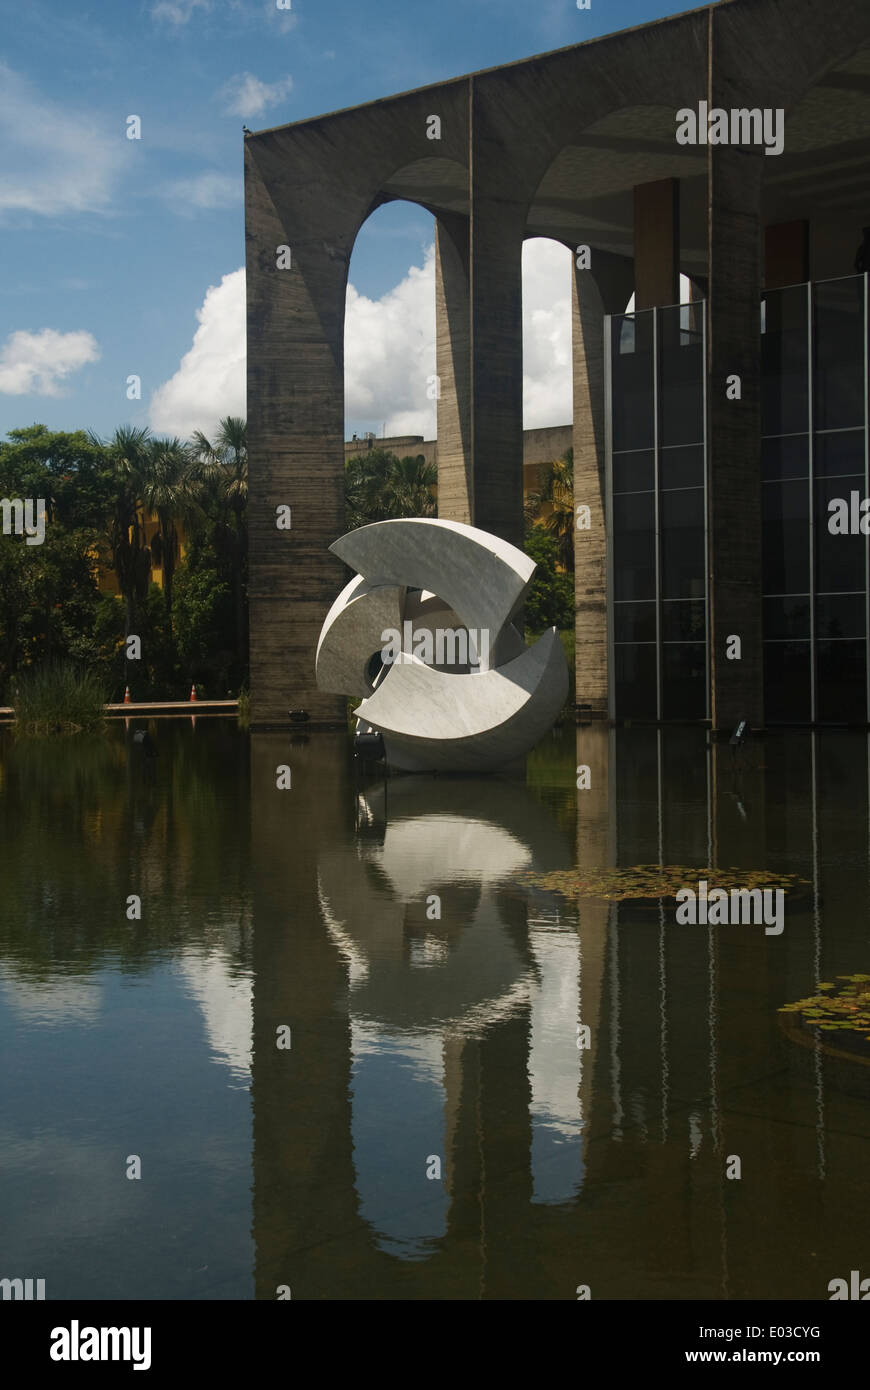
(550, 598)
(220, 469)
(379, 486)
(556, 495)
(126, 455)
(168, 493)
(48, 592)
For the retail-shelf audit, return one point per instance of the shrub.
(58, 697)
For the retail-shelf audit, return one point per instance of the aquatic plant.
(844, 1007)
(653, 881)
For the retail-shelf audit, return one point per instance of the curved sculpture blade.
(351, 633)
(433, 720)
(480, 577)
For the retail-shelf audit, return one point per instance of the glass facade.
(814, 479)
(814, 468)
(657, 514)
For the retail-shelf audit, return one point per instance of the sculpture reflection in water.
(443, 948)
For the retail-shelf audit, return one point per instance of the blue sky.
(116, 252)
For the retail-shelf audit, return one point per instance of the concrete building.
(707, 438)
(540, 447)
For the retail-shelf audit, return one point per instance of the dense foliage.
(128, 504)
(97, 495)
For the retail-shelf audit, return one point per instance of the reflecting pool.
(342, 1026)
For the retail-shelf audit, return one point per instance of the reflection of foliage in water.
(87, 821)
(846, 1007)
(654, 881)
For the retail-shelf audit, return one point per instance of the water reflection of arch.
(427, 996)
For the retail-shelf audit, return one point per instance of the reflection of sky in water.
(398, 1121)
(555, 1064)
(109, 1065)
(225, 1000)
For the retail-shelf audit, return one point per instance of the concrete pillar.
(605, 289)
(453, 342)
(295, 330)
(657, 243)
(495, 277)
(734, 431)
(590, 545)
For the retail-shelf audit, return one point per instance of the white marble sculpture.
(424, 634)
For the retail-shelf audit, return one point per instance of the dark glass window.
(681, 364)
(634, 472)
(634, 546)
(839, 558)
(636, 681)
(786, 458)
(632, 381)
(839, 453)
(681, 517)
(634, 622)
(683, 620)
(787, 682)
(787, 617)
(785, 362)
(841, 674)
(786, 537)
(841, 615)
(839, 354)
(682, 467)
(684, 682)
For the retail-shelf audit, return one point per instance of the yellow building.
(107, 580)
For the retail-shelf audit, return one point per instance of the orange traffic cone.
(193, 694)
(127, 700)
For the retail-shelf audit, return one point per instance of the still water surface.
(419, 1042)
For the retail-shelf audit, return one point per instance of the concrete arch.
(311, 186)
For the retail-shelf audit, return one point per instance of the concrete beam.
(657, 243)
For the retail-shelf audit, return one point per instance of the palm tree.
(221, 467)
(167, 493)
(126, 454)
(380, 487)
(555, 499)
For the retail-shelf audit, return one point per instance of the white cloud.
(55, 159)
(389, 352)
(547, 376)
(38, 363)
(210, 381)
(246, 95)
(178, 12)
(207, 190)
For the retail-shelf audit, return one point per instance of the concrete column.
(497, 226)
(295, 329)
(453, 341)
(734, 431)
(590, 545)
(605, 289)
(657, 243)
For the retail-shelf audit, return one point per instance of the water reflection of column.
(743, 981)
(303, 1175)
(596, 848)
